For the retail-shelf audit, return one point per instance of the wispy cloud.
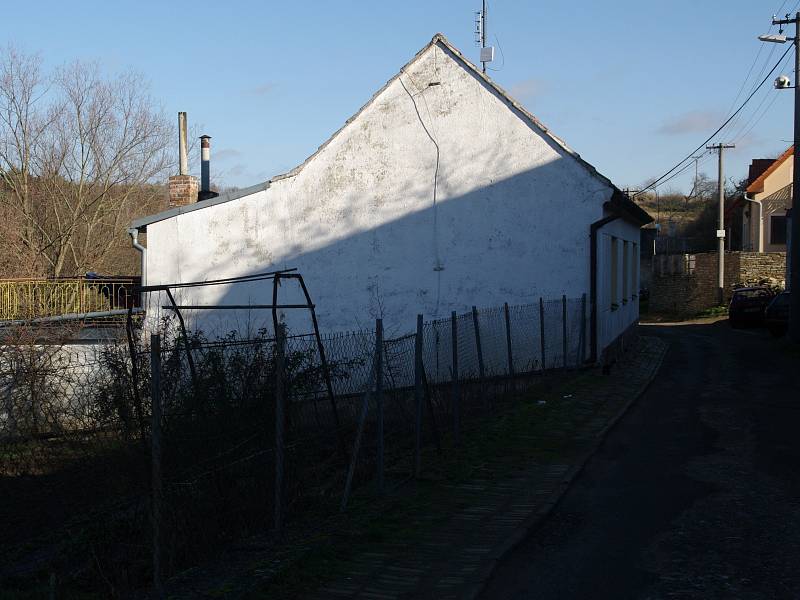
(528, 89)
(693, 121)
(262, 90)
(753, 141)
(237, 170)
(226, 154)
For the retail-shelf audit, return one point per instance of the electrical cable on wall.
(502, 56)
(437, 258)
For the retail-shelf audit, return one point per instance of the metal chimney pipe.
(205, 164)
(183, 145)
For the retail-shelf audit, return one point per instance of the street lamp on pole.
(793, 256)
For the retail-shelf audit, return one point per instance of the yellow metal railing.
(22, 299)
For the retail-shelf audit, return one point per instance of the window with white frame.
(626, 272)
(614, 263)
(635, 270)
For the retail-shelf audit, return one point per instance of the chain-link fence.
(183, 445)
(74, 480)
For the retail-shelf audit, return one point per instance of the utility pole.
(793, 256)
(721, 228)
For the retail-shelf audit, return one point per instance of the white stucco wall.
(613, 321)
(510, 222)
(64, 378)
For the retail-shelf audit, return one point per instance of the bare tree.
(80, 155)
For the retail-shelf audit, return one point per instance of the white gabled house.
(441, 193)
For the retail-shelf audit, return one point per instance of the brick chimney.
(182, 187)
(182, 190)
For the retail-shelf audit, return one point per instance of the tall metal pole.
(794, 241)
(721, 228)
(793, 254)
(721, 233)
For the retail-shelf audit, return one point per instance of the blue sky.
(632, 86)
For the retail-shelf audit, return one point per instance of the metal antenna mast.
(487, 52)
(483, 34)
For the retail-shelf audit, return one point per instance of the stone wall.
(758, 265)
(687, 283)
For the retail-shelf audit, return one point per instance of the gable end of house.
(441, 42)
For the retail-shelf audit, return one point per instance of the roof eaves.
(757, 185)
(626, 208)
(364, 107)
(438, 38)
(785, 193)
(142, 223)
(508, 98)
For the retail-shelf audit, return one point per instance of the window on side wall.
(626, 273)
(634, 270)
(777, 229)
(614, 273)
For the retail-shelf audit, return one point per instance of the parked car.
(748, 304)
(776, 315)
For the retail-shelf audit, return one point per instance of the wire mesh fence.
(190, 444)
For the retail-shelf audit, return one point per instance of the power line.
(721, 127)
(756, 116)
(678, 173)
(763, 114)
(755, 87)
(747, 77)
(755, 60)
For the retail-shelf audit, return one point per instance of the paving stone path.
(456, 557)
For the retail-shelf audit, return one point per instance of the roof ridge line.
(758, 182)
(438, 38)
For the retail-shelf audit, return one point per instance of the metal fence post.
(155, 441)
(564, 328)
(582, 345)
(418, 398)
(379, 399)
(280, 421)
(481, 373)
(541, 332)
(362, 421)
(508, 346)
(454, 377)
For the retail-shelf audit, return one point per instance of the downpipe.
(134, 233)
(760, 240)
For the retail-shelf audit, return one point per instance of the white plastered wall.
(510, 222)
(614, 320)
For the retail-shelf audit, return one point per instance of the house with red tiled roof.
(768, 196)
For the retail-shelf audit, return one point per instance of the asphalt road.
(694, 494)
